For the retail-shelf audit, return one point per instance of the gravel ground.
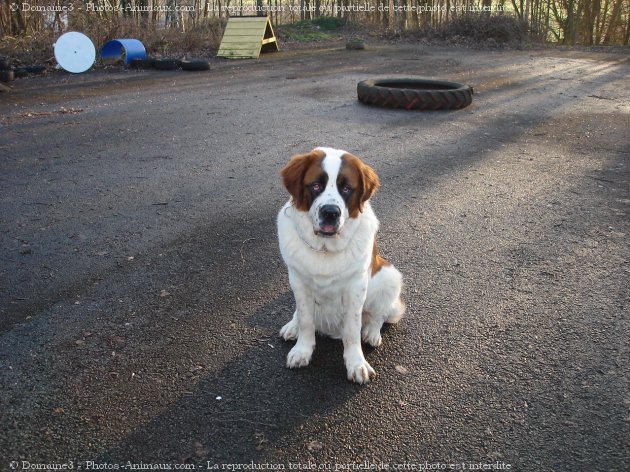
(141, 288)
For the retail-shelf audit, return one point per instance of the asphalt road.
(141, 287)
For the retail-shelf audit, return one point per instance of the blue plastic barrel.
(132, 48)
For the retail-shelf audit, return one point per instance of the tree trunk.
(519, 11)
(601, 21)
(488, 5)
(614, 20)
(17, 25)
(526, 15)
(414, 16)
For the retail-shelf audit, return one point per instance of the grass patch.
(318, 29)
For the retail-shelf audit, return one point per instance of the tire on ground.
(415, 94)
(138, 63)
(167, 64)
(20, 73)
(36, 69)
(196, 65)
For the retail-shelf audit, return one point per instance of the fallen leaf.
(64, 110)
(261, 441)
(401, 370)
(314, 446)
(200, 451)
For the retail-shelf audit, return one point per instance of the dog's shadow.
(252, 406)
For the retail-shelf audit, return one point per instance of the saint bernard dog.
(326, 231)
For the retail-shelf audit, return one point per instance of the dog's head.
(331, 185)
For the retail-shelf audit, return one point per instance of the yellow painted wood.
(247, 26)
(245, 36)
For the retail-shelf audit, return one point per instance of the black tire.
(137, 64)
(415, 94)
(147, 63)
(167, 64)
(36, 69)
(6, 75)
(196, 65)
(20, 73)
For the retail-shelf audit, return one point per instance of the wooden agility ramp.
(245, 37)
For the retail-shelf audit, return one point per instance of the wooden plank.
(237, 45)
(252, 31)
(241, 32)
(231, 29)
(240, 47)
(255, 39)
(236, 21)
(259, 19)
(240, 55)
(242, 26)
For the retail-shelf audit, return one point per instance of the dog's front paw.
(360, 372)
(289, 331)
(298, 357)
(372, 336)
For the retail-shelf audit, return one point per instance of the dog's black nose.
(330, 212)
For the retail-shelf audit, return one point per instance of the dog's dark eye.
(316, 187)
(346, 189)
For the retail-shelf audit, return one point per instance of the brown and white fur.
(327, 230)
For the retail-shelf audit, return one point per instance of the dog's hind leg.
(382, 305)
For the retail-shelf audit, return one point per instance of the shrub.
(329, 23)
(311, 30)
(480, 27)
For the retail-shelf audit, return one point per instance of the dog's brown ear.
(294, 173)
(370, 180)
(365, 181)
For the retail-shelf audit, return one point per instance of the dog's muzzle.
(329, 216)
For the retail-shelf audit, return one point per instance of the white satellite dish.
(75, 52)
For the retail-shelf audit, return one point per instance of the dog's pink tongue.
(328, 229)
